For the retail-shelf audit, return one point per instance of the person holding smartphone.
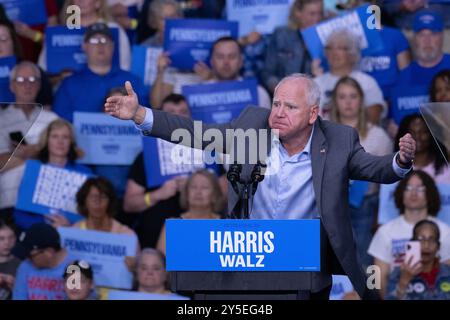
(423, 277)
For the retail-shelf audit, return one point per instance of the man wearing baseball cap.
(39, 275)
(85, 90)
(428, 26)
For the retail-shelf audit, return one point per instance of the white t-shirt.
(388, 243)
(372, 92)
(377, 141)
(9, 186)
(14, 119)
(442, 177)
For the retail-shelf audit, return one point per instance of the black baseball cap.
(83, 266)
(38, 236)
(98, 28)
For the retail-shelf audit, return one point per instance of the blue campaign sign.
(220, 102)
(189, 40)
(144, 63)
(243, 245)
(164, 160)
(31, 12)
(6, 65)
(357, 191)
(406, 100)
(105, 252)
(46, 188)
(64, 51)
(134, 295)
(106, 140)
(370, 41)
(258, 15)
(388, 211)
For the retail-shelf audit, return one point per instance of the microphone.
(256, 176)
(234, 176)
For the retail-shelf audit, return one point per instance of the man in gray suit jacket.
(318, 158)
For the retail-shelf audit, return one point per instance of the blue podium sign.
(243, 245)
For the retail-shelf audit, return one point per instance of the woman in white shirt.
(417, 198)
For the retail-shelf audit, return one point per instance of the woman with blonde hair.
(57, 147)
(201, 197)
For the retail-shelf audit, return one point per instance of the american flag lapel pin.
(322, 151)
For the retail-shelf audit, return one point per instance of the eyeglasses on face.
(101, 40)
(419, 189)
(30, 79)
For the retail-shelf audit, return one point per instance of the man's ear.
(313, 114)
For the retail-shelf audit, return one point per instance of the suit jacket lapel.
(319, 149)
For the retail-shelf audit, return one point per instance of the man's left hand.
(407, 146)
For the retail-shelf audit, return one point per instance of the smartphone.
(413, 252)
(16, 137)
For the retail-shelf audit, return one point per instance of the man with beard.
(429, 57)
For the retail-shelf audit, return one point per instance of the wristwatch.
(403, 164)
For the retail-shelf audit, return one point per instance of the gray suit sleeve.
(365, 166)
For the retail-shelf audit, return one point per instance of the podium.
(200, 252)
(242, 285)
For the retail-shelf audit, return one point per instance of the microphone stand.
(245, 188)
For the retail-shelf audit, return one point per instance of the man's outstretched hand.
(125, 107)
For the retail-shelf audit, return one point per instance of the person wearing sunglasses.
(426, 279)
(85, 90)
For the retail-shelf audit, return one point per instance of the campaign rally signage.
(222, 101)
(134, 295)
(388, 211)
(64, 52)
(341, 286)
(262, 16)
(243, 245)
(144, 63)
(31, 12)
(105, 252)
(165, 160)
(6, 65)
(406, 100)
(106, 140)
(190, 40)
(46, 188)
(356, 21)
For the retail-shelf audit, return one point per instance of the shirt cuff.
(147, 125)
(399, 171)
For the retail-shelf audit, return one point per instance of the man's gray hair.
(13, 74)
(347, 38)
(156, 7)
(312, 90)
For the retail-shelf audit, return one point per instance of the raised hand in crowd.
(58, 220)
(203, 71)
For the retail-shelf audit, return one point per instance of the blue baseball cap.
(428, 19)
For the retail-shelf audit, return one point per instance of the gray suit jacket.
(336, 157)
